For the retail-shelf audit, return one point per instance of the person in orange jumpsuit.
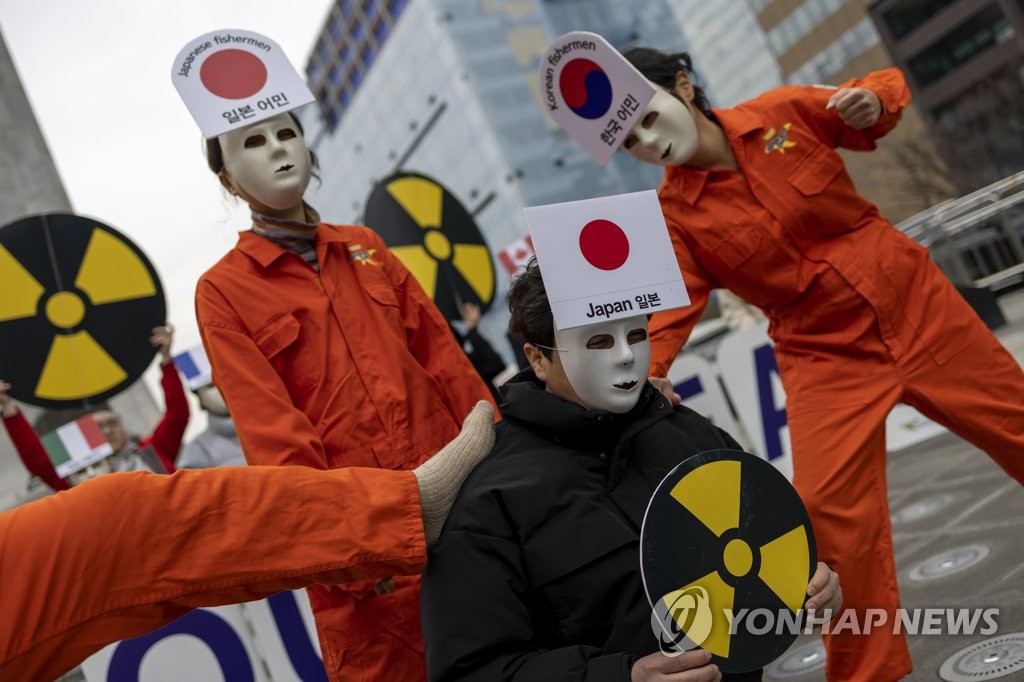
(123, 554)
(329, 355)
(758, 202)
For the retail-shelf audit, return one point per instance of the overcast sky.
(97, 73)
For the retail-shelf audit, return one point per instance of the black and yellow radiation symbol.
(77, 303)
(727, 551)
(436, 238)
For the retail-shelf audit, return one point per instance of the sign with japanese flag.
(232, 78)
(195, 367)
(517, 255)
(606, 258)
(76, 445)
(592, 92)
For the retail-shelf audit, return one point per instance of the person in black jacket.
(486, 361)
(536, 574)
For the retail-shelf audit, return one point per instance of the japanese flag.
(606, 258)
(232, 78)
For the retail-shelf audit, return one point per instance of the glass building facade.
(729, 49)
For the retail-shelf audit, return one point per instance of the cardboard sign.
(436, 238)
(592, 92)
(76, 445)
(232, 78)
(695, 381)
(195, 367)
(725, 534)
(606, 258)
(79, 301)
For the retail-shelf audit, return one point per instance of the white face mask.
(269, 161)
(606, 363)
(666, 134)
(212, 401)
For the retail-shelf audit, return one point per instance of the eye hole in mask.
(607, 341)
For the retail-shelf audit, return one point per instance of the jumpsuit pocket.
(737, 247)
(818, 169)
(280, 341)
(825, 199)
(382, 293)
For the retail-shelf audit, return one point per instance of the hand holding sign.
(725, 537)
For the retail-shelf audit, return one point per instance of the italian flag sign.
(76, 445)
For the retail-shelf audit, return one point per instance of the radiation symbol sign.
(436, 238)
(726, 552)
(77, 304)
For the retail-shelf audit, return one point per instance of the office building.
(729, 49)
(829, 42)
(965, 63)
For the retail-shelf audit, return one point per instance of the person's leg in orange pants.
(837, 431)
(127, 553)
(978, 394)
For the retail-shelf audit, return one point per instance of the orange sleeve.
(431, 342)
(75, 578)
(271, 429)
(809, 101)
(670, 329)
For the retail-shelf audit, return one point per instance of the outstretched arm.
(858, 112)
(100, 563)
(168, 434)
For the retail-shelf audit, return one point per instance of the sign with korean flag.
(76, 445)
(232, 78)
(592, 92)
(195, 367)
(606, 258)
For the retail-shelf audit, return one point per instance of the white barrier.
(269, 640)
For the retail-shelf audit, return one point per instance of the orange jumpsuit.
(124, 554)
(861, 319)
(351, 366)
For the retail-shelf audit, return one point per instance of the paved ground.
(958, 521)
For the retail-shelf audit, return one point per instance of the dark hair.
(531, 318)
(215, 156)
(661, 69)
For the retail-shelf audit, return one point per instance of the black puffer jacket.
(536, 577)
